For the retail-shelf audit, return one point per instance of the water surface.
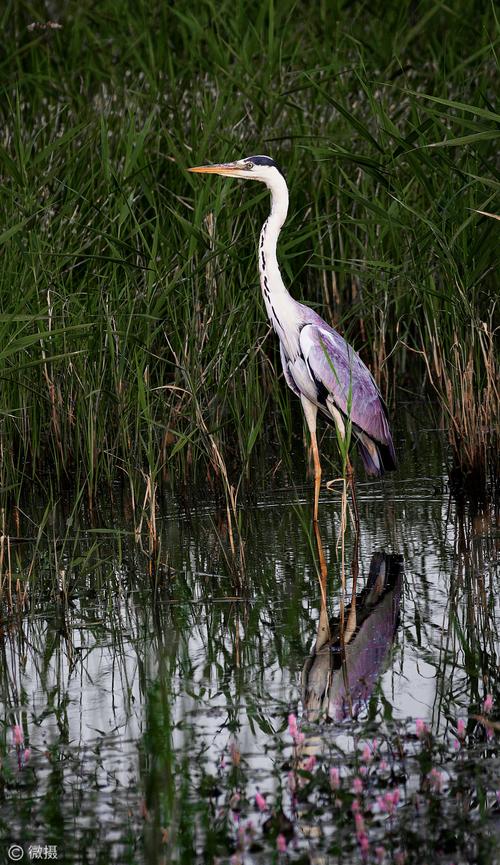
(143, 712)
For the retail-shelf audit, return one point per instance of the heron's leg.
(311, 412)
(317, 475)
(352, 617)
(324, 630)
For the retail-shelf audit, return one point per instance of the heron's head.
(261, 168)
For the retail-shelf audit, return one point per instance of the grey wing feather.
(339, 373)
(288, 377)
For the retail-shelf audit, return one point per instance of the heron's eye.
(248, 166)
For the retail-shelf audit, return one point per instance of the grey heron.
(320, 367)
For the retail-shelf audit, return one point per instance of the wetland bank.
(160, 664)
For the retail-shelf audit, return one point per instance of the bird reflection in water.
(350, 649)
(347, 660)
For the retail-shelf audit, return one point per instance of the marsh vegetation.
(134, 340)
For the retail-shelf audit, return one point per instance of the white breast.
(281, 311)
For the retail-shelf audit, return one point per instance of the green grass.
(133, 338)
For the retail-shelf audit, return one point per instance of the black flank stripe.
(276, 317)
(322, 392)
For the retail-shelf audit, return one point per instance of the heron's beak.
(228, 169)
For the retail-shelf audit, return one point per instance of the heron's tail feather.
(377, 458)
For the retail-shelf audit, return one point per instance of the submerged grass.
(133, 337)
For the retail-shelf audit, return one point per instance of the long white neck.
(270, 276)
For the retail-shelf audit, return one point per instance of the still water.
(206, 712)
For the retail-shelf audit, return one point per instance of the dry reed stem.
(473, 411)
(149, 507)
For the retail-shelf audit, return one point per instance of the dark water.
(143, 713)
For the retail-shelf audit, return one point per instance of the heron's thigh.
(339, 420)
(310, 412)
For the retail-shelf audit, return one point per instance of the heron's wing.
(341, 378)
(288, 377)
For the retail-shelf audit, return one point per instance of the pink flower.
(281, 843)
(17, 735)
(355, 806)
(380, 854)
(435, 779)
(363, 771)
(260, 802)
(26, 755)
(389, 801)
(292, 782)
(360, 823)
(363, 842)
(298, 738)
(357, 786)
(334, 778)
(383, 765)
(367, 755)
(422, 729)
(488, 704)
(461, 728)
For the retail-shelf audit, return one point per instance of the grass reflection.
(145, 717)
